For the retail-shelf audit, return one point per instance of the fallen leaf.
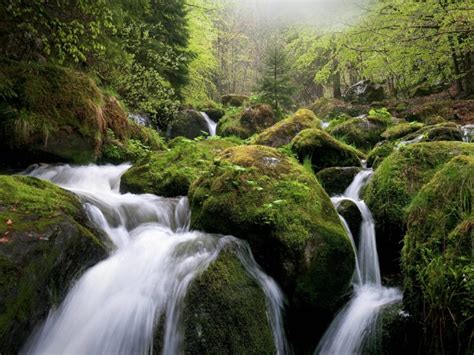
(9, 222)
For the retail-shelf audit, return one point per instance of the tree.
(276, 86)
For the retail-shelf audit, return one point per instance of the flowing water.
(355, 323)
(211, 125)
(116, 306)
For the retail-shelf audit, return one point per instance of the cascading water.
(116, 305)
(211, 125)
(355, 323)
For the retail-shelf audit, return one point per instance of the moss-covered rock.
(323, 150)
(189, 124)
(225, 311)
(401, 130)
(437, 257)
(265, 197)
(245, 123)
(364, 132)
(170, 173)
(381, 150)
(332, 108)
(285, 130)
(365, 92)
(45, 243)
(214, 113)
(351, 214)
(336, 180)
(394, 184)
(234, 100)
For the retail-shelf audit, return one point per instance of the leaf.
(9, 222)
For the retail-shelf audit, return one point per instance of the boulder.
(169, 173)
(362, 132)
(225, 311)
(351, 214)
(437, 258)
(337, 179)
(261, 195)
(401, 130)
(394, 184)
(214, 114)
(234, 100)
(365, 92)
(328, 109)
(189, 124)
(285, 130)
(244, 124)
(46, 242)
(381, 150)
(323, 150)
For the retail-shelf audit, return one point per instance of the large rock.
(401, 130)
(328, 109)
(225, 311)
(268, 199)
(362, 132)
(323, 150)
(285, 130)
(244, 124)
(365, 92)
(337, 179)
(393, 186)
(170, 173)
(234, 100)
(45, 243)
(377, 155)
(189, 124)
(437, 258)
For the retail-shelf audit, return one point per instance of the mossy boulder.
(336, 180)
(365, 92)
(50, 113)
(225, 311)
(437, 257)
(332, 108)
(189, 124)
(362, 132)
(285, 130)
(323, 150)
(45, 243)
(381, 150)
(261, 195)
(245, 123)
(393, 186)
(170, 173)
(234, 100)
(351, 214)
(214, 114)
(445, 131)
(401, 130)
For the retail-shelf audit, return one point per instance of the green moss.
(379, 153)
(284, 131)
(437, 257)
(333, 108)
(401, 130)
(225, 311)
(244, 123)
(259, 194)
(171, 172)
(394, 184)
(46, 246)
(324, 150)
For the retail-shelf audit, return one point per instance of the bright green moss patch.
(171, 172)
(397, 180)
(324, 150)
(46, 244)
(225, 311)
(437, 257)
(261, 195)
(285, 130)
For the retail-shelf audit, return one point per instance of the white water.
(211, 125)
(468, 133)
(355, 323)
(115, 307)
(140, 119)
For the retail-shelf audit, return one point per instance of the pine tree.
(276, 87)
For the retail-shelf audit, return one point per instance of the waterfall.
(211, 125)
(116, 306)
(355, 323)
